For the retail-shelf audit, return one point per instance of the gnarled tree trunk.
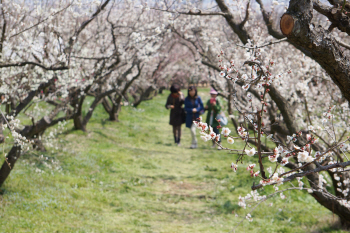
(8, 165)
(78, 123)
(110, 109)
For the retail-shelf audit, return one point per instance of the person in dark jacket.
(214, 108)
(193, 107)
(174, 103)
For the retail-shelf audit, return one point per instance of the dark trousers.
(177, 133)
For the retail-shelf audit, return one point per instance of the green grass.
(130, 177)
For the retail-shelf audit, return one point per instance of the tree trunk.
(316, 41)
(114, 114)
(29, 132)
(106, 105)
(148, 94)
(111, 110)
(6, 167)
(345, 223)
(237, 28)
(78, 123)
(2, 137)
(328, 200)
(117, 108)
(7, 109)
(39, 146)
(161, 89)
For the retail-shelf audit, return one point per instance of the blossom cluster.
(13, 124)
(253, 195)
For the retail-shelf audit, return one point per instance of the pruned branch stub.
(287, 24)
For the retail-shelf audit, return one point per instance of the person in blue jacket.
(193, 107)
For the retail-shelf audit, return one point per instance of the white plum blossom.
(234, 167)
(204, 126)
(197, 124)
(249, 218)
(225, 131)
(305, 157)
(251, 166)
(200, 125)
(245, 77)
(256, 174)
(273, 158)
(277, 179)
(284, 161)
(217, 138)
(250, 152)
(157, 30)
(241, 202)
(205, 136)
(246, 87)
(211, 133)
(301, 184)
(289, 138)
(282, 196)
(230, 140)
(242, 132)
(302, 156)
(308, 137)
(311, 128)
(309, 159)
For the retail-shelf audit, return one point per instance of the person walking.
(193, 108)
(214, 108)
(174, 103)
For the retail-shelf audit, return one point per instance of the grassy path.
(130, 177)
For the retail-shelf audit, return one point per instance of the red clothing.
(175, 95)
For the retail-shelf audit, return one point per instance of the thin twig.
(41, 21)
(263, 45)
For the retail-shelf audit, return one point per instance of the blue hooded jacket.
(190, 116)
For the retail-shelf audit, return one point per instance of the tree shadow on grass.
(331, 228)
(165, 144)
(227, 208)
(103, 123)
(103, 135)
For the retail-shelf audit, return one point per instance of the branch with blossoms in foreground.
(261, 77)
(254, 197)
(303, 155)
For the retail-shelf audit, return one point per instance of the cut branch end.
(287, 24)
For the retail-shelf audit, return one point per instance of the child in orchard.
(213, 107)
